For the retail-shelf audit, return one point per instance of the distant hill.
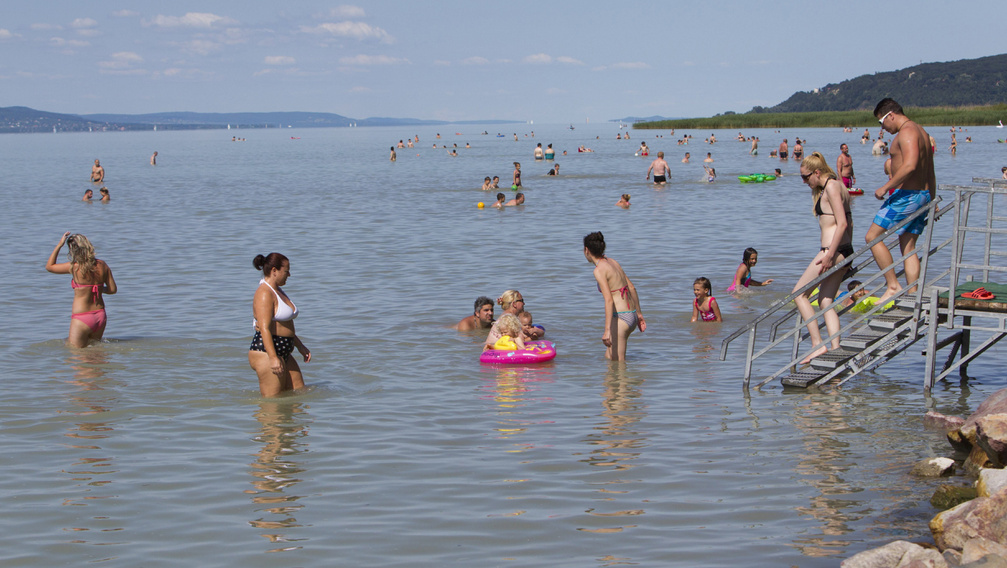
(632, 119)
(241, 119)
(966, 82)
(24, 119)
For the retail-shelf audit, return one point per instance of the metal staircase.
(867, 340)
(870, 339)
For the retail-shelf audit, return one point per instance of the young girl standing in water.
(705, 306)
(743, 276)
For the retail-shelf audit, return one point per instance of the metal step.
(833, 358)
(861, 339)
(890, 320)
(801, 379)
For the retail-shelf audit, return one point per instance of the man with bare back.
(913, 186)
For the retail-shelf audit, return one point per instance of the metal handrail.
(935, 213)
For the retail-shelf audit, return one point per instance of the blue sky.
(550, 62)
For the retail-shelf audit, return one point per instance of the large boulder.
(934, 467)
(937, 421)
(984, 517)
(977, 460)
(991, 482)
(947, 496)
(991, 436)
(996, 403)
(988, 561)
(979, 548)
(896, 554)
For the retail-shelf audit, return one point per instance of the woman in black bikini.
(271, 352)
(830, 197)
(622, 305)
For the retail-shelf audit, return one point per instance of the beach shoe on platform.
(979, 294)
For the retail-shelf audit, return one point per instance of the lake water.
(154, 448)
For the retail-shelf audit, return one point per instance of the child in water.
(849, 299)
(517, 175)
(526, 322)
(743, 276)
(500, 201)
(509, 327)
(487, 184)
(711, 174)
(705, 306)
(623, 201)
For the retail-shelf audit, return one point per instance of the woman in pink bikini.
(90, 278)
(622, 305)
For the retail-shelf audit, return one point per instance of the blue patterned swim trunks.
(901, 204)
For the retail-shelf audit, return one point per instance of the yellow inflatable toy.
(505, 343)
(869, 302)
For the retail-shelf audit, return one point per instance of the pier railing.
(783, 310)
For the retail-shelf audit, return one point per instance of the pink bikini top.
(95, 289)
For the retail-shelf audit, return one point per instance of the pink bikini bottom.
(94, 319)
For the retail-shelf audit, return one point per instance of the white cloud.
(372, 60)
(475, 61)
(121, 63)
(278, 60)
(356, 30)
(201, 46)
(442, 63)
(125, 13)
(623, 65)
(88, 32)
(6, 34)
(60, 42)
(121, 59)
(83, 23)
(43, 26)
(360, 90)
(346, 11)
(179, 72)
(538, 58)
(190, 20)
(569, 60)
(631, 65)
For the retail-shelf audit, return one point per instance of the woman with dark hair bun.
(274, 340)
(90, 277)
(622, 305)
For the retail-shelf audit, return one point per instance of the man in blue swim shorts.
(912, 187)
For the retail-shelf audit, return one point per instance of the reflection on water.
(617, 443)
(825, 464)
(89, 395)
(512, 389)
(277, 469)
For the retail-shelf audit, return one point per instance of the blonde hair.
(525, 317)
(80, 251)
(507, 298)
(509, 324)
(816, 162)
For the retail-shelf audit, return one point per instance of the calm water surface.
(154, 447)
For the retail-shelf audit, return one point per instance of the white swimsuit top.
(283, 311)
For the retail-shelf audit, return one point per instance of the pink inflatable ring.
(534, 352)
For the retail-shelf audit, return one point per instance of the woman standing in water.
(832, 207)
(622, 305)
(90, 278)
(274, 340)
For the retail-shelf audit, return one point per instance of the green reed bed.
(932, 116)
